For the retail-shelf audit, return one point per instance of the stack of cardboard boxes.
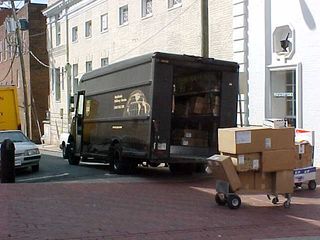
(262, 158)
(304, 154)
(197, 106)
(191, 137)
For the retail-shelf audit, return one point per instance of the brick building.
(37, 75)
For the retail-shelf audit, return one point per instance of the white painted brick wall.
(304, 17)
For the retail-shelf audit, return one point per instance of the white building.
(87, 34)
(277, 44)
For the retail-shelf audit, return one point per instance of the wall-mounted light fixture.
(285, 43)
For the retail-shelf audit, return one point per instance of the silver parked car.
(27, 153)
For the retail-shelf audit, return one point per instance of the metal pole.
(23, 73)
(204, 28)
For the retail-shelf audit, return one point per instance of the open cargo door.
(161, 110)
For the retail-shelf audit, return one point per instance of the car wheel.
(35, 168)
(72, 159)
(65, 152)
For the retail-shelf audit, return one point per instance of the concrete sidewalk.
(149, 210)
(48, 147)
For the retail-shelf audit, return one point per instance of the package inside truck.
(196, 109)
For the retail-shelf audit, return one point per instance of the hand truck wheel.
(233, 201)
(312, 185)
(275, 200)
(286, 204)
(219, 200)
(298, 185)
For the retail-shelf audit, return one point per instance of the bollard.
(7, 162)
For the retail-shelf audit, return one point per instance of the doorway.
(284, 93)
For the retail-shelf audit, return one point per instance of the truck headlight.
(31, 152)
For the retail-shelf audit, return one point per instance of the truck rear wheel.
(73, 160)
(117, 164)
(181, 168)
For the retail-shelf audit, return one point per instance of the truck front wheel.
(72, 159)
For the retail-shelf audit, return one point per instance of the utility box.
(24, 24)
(9, 113)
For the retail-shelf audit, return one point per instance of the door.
(283, 95)
(161, 111)
(79, 121)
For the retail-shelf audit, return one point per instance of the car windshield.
(13, 136)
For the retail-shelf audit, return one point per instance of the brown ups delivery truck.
(152, 109)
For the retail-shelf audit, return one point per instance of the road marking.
(44, 177)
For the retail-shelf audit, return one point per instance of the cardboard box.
(278, 160)
(194, 142)
(199, 105)
(181, 109)
(222, 169)
(190, 133)
(284, 182)
(254, 139)
(304, 153)
(274, 123)
(246, 162)
(247, 180)
(263, 181)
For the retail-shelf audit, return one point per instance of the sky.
(19, 4)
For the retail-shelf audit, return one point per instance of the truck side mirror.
(71, 100)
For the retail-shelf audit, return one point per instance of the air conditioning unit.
(24, 24)
(10, 25)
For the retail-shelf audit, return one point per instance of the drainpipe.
(68, 66)
(204, 29)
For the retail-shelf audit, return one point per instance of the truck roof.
(128, 63)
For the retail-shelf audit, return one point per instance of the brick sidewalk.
(149, 210)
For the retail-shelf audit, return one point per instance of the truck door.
(161, 110)
(79, 121)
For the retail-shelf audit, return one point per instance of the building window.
(75, 78)
(283, 95)
(52, 73)
(74, 34)
(1, 51)
(58, 34)
(104, 62)
(174, 3)
(62, 78)
(146, 8)
(88, 66)
(104, 23)
(123, 14)
(57, 84)
(5, 50)
(88, 29)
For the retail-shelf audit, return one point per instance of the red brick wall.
(37, 76)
